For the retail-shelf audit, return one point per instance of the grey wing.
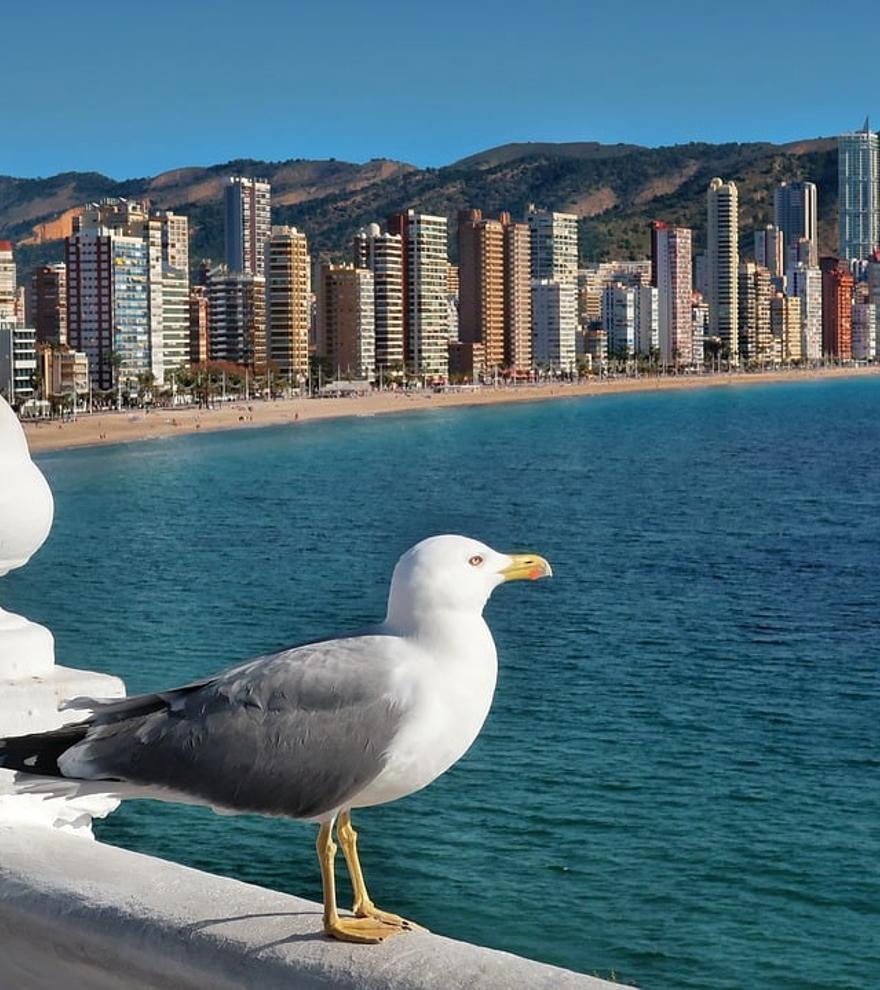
(298, 733)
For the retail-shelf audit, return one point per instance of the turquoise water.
(678, 782)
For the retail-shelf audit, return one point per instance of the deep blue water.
(680, 778)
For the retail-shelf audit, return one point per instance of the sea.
(678, 785)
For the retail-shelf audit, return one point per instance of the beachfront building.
(671, 270)
(785, 327)
(722, 209)
(699, 329)
(198, 324)
(753, 309)
(248, 223)
(553, 239)
(857, 193)
(517, 295)
(481, 285)
(647, 320)
(382, 254)
(795, 214)
(864, 331)
(127, 286)
(18, 361)
(236, 318)
(288, 302)
(805, 282)
(837, 292)
(494, 308)
(425, 290)
(619, 320)
(47, 304)
(346, 328)
(554, 321)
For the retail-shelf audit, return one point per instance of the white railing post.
(32, 687)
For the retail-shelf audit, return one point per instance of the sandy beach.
(138, 424)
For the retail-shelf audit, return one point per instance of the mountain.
(615, 190)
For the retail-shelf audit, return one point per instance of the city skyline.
(287, 74)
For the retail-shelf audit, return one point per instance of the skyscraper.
(517, 294)
(382, 254)
(346, 325)
(248, 224)
(495, 288)
(671, 264)
(619, 319)
(127, 290)
(805, 282)
(48, 303)
(554, 250)
(769, 252)
(795, 213)
(858, 207)
(288, 301)
(236, 317)
(425, 286)
(481, 284)
(837, 292)
(723, 263)
(753, 309)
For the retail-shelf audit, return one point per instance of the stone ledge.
(87, 916)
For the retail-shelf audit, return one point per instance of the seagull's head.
(454, 574)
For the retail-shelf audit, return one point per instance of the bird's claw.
(368, 930)
(369, 910)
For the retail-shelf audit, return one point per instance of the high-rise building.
(288, 301)
(753, 308)
(346, 333)
(671, 264)
(857, 193)
(769, 253)
(18, 360)
(517, 294)
(795, 213)
(723, 263)
(198, 324)
(647, 320)
(48, 303)
(619, 320)
(236, 318)
(248, 224)
(425, 286)
(382, 254)
(126, 300)
(554, 251)
(785, 327)
(481, 284)
(864, 331)
(700, 323)
(495, 288)
(837, 293)
(7, 281)
(554, 319)
(805, 282)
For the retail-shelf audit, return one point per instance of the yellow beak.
(526, 567)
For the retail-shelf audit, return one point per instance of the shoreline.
(128, 426)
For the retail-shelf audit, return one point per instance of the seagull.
(317, 730)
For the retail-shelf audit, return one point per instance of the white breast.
(451, 692)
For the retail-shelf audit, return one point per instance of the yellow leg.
(345, 929)
(363, 905)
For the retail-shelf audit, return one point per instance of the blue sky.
(133, 89)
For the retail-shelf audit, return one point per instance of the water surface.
(678, 782)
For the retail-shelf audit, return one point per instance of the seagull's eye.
(476, 560)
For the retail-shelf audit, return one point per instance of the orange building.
(837, 296)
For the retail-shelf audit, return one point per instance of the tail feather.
(39, 753)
